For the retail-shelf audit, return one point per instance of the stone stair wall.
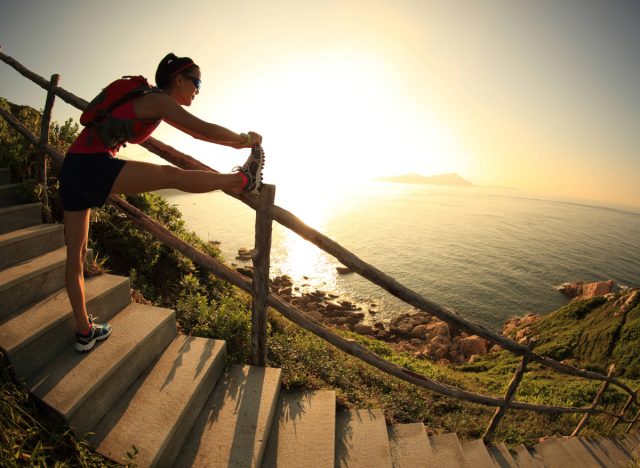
(169, 395)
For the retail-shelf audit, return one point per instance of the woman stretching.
(91, 173)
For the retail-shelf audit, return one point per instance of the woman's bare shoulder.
(153, 105)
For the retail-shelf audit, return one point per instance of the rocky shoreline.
(415, 331)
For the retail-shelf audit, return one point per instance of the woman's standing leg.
(76, 228)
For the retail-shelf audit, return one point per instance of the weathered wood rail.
(266, 212)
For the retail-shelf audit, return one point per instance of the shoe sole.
(256, 189)
(83, 348)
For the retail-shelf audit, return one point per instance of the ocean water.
(486, 254)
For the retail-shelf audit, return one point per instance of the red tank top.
(90, 142)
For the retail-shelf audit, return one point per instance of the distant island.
(439, 179)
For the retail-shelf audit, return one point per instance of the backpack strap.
(130, 95)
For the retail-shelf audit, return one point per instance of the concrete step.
(614, 450)
(19, 216)
(83, 386)
(553, 454)
(10, 194)
(235, 422)
(595, 451)
(5, 175)
(502, 456)
(632, 446)
(303, 433)
(523, 457)
(476, 454)
(23, 244)
(361, 439)
(578, 452)
(31, 280)
(447, 450)
(157, 412)
(409, 445)
(35, 336)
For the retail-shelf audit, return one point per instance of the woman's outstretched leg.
(138, 177)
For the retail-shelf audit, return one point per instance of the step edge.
(163, 450)
(69, 412)
(36, 271)
(10, 186)
(61, 318)
(296, 395)
(20, 207)
(35, 231)
(216, 367)
(273, 406)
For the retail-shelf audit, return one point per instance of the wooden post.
(603, 388)
(260, 286)
(623, 413)
(42, 157)
(633, 423)
(510, 395)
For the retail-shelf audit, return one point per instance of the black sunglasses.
(197, 82)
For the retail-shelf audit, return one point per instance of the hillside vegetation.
(594, 333)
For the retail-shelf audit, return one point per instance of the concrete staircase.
(170, 397)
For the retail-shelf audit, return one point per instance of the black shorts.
(86, 179)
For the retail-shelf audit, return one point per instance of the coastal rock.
(282, 281)
(523, 335)
(512, 327)
(439, 352)
(440, 340)
(530, 318)
(582, 290)
(421, 331)
(437, 329)
(472, 345)
(246, 271)
(629, 301)
(314, 314)
(403, 330)
(363, 329)
(244, 254)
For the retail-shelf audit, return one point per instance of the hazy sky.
(539, 95)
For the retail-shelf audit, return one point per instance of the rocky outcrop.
(244, 254)
(519, 328)
(417, 332)
(582, 290)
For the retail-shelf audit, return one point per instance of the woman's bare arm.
(161, 106)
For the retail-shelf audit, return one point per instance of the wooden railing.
(266, 212)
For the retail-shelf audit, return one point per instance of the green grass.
(32, 436)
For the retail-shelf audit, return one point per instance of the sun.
(330, 121)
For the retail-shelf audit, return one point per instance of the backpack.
(115, 132)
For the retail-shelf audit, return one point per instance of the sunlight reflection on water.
(487, 256)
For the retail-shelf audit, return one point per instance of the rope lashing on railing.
(374, 275)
